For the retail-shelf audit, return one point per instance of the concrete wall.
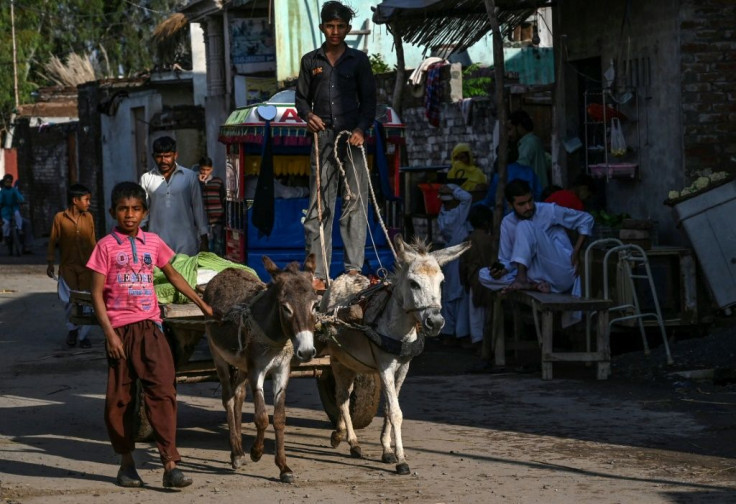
(90, 150)
(592, 29)
(120, 157)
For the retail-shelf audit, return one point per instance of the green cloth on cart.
(187, 266)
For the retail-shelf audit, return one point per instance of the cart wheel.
(142, 427)
(363, 401)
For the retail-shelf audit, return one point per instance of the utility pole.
(15, 53)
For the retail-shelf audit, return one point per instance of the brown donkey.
(262, 328)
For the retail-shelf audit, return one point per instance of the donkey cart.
(184, 325)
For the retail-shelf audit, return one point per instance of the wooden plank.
(181, 310)
(574, 356)
(558, 302)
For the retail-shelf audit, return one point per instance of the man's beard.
(524, 217)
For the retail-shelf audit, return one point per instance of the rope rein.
(374, 200)
(242, 315)
(319, 210)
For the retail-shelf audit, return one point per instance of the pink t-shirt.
(127, 264)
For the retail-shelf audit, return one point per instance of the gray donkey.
(261, 328)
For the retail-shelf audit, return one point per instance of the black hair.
(127, 190)
(205, 161)
(480, 216)
(519, 117)
(76, 191)
(336, 10)
(516, 187)
(164, 144)
(549, 191)
(8, 176)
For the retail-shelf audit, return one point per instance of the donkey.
(392, 315)
(262, 327)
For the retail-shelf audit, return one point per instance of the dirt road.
(506, 438)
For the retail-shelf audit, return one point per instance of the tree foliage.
(116, 34)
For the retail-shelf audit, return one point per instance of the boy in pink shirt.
(127, 310)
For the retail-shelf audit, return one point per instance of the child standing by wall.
(454, 230)
(127, 309)
(73, 231)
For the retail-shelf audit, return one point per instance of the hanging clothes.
(432, 97)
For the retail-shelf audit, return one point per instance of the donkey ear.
(270, 266)
(448, 254)
(400, 246)
(310, 263)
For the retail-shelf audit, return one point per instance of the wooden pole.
(494, 337)
(503, 139)
(15, 53)
(400, 70)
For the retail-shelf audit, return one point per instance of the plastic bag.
(618, 143)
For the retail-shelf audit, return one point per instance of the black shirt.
(343, 96)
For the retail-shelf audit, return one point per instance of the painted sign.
(252, 45)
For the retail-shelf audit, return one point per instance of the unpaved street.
(506, 438)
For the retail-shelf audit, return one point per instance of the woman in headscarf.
(463, 167)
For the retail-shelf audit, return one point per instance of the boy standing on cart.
(336, 91)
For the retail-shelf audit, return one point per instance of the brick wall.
(708, 46)
(427, 145)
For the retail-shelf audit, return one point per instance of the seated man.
(535, 251)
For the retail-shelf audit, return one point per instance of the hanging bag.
(618, 143)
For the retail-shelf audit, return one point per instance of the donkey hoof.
(389, 458)
(356, 452)
(335, 439)
(255, 455)
(287, 477)
(402, 468)
(236, 461)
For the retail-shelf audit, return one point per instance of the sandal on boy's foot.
(71, 337)
(85, 343)
(176, 479)
(128, 477)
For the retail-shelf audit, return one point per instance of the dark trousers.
(148, 358)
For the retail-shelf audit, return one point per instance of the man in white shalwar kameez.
(454, 228)
(535, 251)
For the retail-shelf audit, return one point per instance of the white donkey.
(388, 336)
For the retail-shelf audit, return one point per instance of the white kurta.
(542, 245)
(455, 230)
(175, 208)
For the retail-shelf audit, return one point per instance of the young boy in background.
(73, 231)
(127, 310)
